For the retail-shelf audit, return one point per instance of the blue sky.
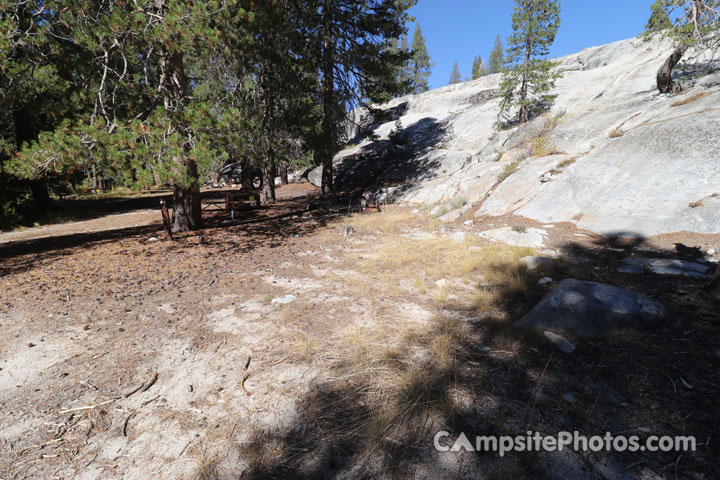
(460, 29)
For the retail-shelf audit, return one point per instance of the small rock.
(537, 263)
(284, 300)
(476, 249)
(458, 237)
(435, 210)
(560, 342)
(710, 251)
(451, 216)
(415, 211)
(545, 281)
(468, 222)
(442, 283)
(347, 230)
(664, 266)
(420, 235)
(152, 239)
(517, 237)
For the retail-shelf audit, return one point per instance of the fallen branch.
(144, 387)
(125, 423)
(242, 383)
(89, 407)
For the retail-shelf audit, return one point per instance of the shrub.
(509, 170)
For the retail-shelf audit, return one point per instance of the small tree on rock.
(697, 25)
(495, 61)
(528, 76)
(455, 75)
(478, 69)
(421, 65)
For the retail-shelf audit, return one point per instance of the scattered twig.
(125, 423)
(144, 387)
(242, 383)
(37, 447)
(89, 407)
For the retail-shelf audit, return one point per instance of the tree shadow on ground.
(267, 226)
(503, 381)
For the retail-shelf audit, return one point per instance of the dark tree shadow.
(266, 226)
(393, 164)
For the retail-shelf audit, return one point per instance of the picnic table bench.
(235, 202)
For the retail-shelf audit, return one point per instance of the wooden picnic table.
(235, 202)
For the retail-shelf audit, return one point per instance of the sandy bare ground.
(122, 357)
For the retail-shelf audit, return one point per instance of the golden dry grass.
(692, 98)
(402, 367)
(617, 133)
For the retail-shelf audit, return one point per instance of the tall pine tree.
(478, 68)
(528, 76)
(420, 63)
(659, 19)
(455, 75)
(406, 78)
(354, 63)
(495, 61)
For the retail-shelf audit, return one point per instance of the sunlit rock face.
(610, 155)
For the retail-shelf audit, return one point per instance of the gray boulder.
(563, 344)
(517, 237)
(665, 266)
(537, 263)
(582, 309)
(315, 176)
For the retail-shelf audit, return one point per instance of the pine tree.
(421, 66)
(528, 76)
(495, 61)
(406, 77)
(659, 19)
(455, 75)
(354, 66)
(478, 69)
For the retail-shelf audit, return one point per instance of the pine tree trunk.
(40, 193)
(268, 172)
(665, 83)
(524, 87)
(283, 172)
(327, 139)
(186, 210)
(247, 176)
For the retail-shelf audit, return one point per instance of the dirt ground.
(122, 357)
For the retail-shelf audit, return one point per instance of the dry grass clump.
(436, 258)
(391, 220)
(692, 98)
(617, 133)
(509, 170)
(207, 468)
(542, 146)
